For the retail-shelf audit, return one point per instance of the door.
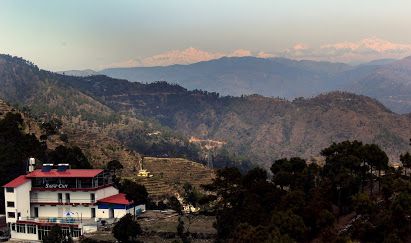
(60, 197)
(67, 197)
(93, 212)
(92, 198)
(36, 212)
(111, 213)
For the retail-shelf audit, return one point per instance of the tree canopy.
(70, 155)
(303, 202)
(126, 229)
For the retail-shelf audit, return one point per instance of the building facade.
(75, 199)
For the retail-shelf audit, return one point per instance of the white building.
(73, 198)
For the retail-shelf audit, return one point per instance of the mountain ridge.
(281, 77)
(253, 126)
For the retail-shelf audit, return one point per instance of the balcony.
(53, 220)
(72, 201)
(76, 220)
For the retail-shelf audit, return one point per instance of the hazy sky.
(80, 34)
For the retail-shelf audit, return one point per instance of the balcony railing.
(78, 219)
(59, 201)
(52, 220)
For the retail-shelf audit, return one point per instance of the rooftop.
(116, 199)
(17, 181)
(70, 173)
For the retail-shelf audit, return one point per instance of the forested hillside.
(103, 133)
(258, 128)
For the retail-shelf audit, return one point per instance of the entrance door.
(36, 212)
(93, 212)
(111, 213)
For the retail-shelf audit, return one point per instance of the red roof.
(71, 173)
(116, 199)
(17, 181)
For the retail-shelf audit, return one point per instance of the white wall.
(104, 213)
(10, 197)
(21, 199)
(118, 213)
(24, 236)
(106, 192)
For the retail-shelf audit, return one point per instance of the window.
(31, 229)
(65, 231)
(43, 231)
(10, 189)
(11, 214)
(10, 204)
(92, 198)
(21, 228)
(60, 197)
(13, 227)
(93, 212)
(67, 197)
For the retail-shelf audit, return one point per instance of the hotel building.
(75, 199)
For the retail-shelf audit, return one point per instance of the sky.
(95, 34)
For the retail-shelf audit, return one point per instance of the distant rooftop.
(116, 199)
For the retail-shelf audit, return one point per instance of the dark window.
(10, 204)
(11, 214)
(13, 227)
(93, 212)
(36, 212)
(92, 198)
(60, 197)
(10, 189)
(67, 197)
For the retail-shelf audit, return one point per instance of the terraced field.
(170, 174)
(177, 171)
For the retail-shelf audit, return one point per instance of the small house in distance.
(117, 206)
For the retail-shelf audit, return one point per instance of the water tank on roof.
(47, 167)
(62, 167)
